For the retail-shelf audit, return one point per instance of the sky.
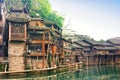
(99, 19)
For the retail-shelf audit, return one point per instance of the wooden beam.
(43, 50)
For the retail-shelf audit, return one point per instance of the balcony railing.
(17, 36)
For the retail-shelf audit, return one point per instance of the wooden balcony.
(37, 41)
(36, 53)
(17, 37)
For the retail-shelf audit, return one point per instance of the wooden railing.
(17, 36)
(37, 54)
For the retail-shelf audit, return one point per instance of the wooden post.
(6, 67)
(31, 63)
(9, 31)
(112, 59)
(43, 50)
(25, 33)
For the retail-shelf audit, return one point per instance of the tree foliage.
(43, 8)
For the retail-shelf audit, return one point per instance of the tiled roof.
(114, 41)
(87, 49)
(66, 40)
(36, 19)
(76, 46)
(18, 13)
(38, 28)
(105, 48)
(118, 47)
(84, 44)
(17, 17)
(48, 22)
(94, 43)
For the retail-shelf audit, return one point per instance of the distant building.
(102, 52)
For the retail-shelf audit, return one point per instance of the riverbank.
(42, 72)
(101, 72)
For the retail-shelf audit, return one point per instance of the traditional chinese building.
(116, 43)
(44, 46)
(77, 52)
(86, 51)
(56, 43)
(102, 52)
(38, 44)
(67, 51)
(17, 21)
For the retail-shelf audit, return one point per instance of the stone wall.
(34, 63)
(16, 56)
(16, 64)
(16, 49)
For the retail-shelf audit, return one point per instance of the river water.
(104, 72)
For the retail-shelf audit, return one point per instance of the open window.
(35, 48)
(17, 32)
(36, 36)
(46, 36)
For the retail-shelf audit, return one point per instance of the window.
(1, 48)
(37, 48)
(46, 46)
(47, 36)
(111, 51)
(37, 24)
(0, 31)
(36, 36)
(17, 28)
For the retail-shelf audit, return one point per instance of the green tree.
(102, 40)
(43, 8)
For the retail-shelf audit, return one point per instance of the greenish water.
(104, 72)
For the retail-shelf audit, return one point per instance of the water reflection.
(105, 72)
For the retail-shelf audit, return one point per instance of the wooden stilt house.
(103, 52)
(17, 21)
(67, 51)
(86, 50)
(38, 44)
(56, 43)
(116, 43)
(77, 51)
(44, 44)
